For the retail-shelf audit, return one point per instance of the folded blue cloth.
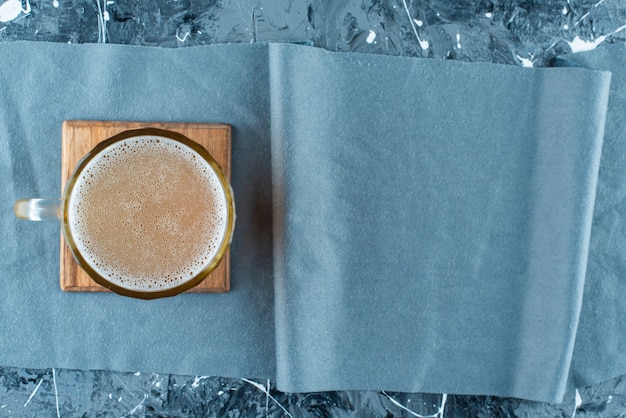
(431, 222)
(600, 352)
(431, 219)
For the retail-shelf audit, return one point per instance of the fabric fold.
(600, 352)
(431, 222)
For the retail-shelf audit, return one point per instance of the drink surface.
(148, 213)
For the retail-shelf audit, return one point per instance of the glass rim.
(187, 284)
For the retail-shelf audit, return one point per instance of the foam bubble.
(148, 213)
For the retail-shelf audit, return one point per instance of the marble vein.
(33, 393)
(267, 393)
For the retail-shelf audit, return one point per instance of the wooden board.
(79, 137)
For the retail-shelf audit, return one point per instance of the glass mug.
(147, 213)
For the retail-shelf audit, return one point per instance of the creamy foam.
(148, 213)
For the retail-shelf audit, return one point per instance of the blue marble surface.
(70, 393)
(511, 32)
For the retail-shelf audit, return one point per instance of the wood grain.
(79, 137)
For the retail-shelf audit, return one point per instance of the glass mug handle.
(38, 209)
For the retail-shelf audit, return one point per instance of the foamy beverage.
(148, 213)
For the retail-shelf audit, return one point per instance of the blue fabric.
(402, 224)
(600, 352)
(41, 85)
(431, 222)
